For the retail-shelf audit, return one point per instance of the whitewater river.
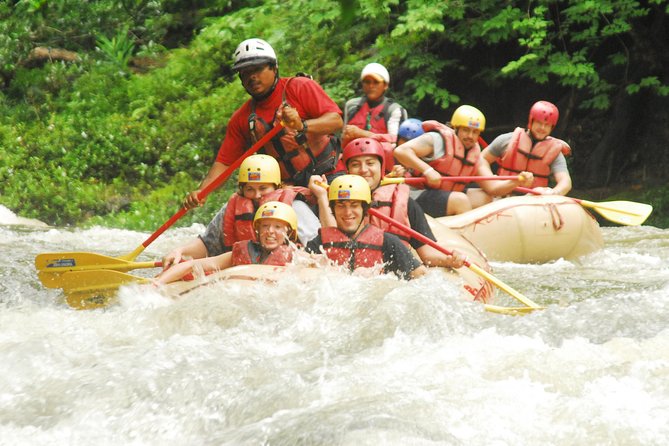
(342, 361)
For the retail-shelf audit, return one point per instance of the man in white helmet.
(306, 146)
(373, 115)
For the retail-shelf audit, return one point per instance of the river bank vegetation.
(113, 110)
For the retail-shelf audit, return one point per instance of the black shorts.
(434, 201)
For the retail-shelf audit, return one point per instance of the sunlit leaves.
(651, 82)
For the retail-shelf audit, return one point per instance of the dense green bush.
(120, 135)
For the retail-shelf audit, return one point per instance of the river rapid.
(341, 361)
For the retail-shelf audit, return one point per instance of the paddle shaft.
(480, 272)
(206, 190)
(459, 179)
(586, 203)
(127, 266)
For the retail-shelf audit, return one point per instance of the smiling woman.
(275, 224)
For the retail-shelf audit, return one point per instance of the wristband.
(301, 136)
(429, 169)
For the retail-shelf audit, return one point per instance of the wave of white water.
(341, 361)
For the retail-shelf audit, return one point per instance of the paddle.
(51, 270)
(627, 213)
(81, 260)
(475, 268)
(461, 179)
(95, 288)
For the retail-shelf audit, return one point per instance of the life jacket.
(457, 161)
(363, 251)
(248, 252)
(521, 156)
(318, 155)
(358, 113)
(238, 218)
(392, 200)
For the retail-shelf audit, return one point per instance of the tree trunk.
(611, 147)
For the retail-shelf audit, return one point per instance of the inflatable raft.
(529, 229)
(97, 288)
(473, 286)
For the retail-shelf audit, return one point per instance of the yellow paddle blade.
(95, 288)
(504, 287)
(60, 262)
(392, 180)
(90, 300)
(627, 213)
(52, 266)
(510, 311)
(74, 281)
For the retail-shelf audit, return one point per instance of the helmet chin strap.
(260, 97)
(355, 231)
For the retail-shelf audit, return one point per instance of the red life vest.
(457, 161)
(392, 200)
(318, 155)
(248, 252)
(238, 218)
(521, 156)
(371, 119)
(363, 251)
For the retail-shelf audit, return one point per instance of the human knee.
(458, 203)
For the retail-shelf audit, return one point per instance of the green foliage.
(118, 49)
(118, 144)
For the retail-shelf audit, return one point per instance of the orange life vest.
(457, 161)
(521, 156)
(372, 119)
(317, 155)
(248, 252)
(238, 218)
(392, 200)
(363, 251)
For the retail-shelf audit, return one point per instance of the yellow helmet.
(278, 211)
(259, 169)
(468, 116)
(349, 187)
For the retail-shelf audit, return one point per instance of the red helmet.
(543, 111)
(365, 146)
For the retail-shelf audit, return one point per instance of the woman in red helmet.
(532, 150)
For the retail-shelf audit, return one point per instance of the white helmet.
(253, 52)
(377, 71)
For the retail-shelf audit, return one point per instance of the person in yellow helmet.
(366, 157)
(275, 225)
(259, 181)
(354, 242)
(444, 150)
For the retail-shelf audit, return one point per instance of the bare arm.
(420, 271)
(352, 132)
(563, 180)
(410, 153)
(325, 124)
(194, 249)
(206, 264)
(318, 186)
(215, 170)
(433, 257)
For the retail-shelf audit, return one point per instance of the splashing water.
(340, 361)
